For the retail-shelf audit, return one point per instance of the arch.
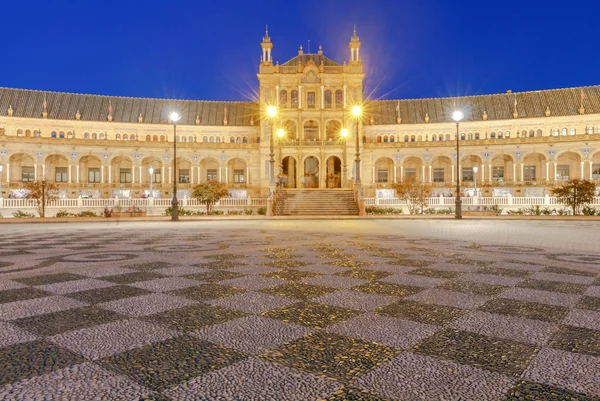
(412, 138)
(205, 139)
(209, 169)
(568, 165)
(86, 135)
(27, 133)
(328, 99)
(294, 98)
(162, 138)
(311, 131)
(191, 138)
(539, 133)
(218, 139)
(245, 139)
(378, 139)
(447, 137)
(311, 172)
(36, 133)
(102, 136)
(232, 139)
(413, 168)
(338, 99)
(392, 138)
(122, 169)
(70, 135)
(441, 169)
(406, 138)
(384, 170)
(118, 137)
(502, 168)
(94, 136)
(90, 169)
(534, 167)
(290, 172)
(57, 167)
(125, 137)
(531, 133)
(236, 171)
(283, 99)
(22, 167)
(19, 132)
(289, 126)
(333, 172)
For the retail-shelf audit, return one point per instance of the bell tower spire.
(266, 48)
(354, 46)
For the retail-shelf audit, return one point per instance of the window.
(595, 171)
(433, 138)
(562, 172)
(382, 175)
(238, 140)
(118, 137)
(94, 175)
(477, 136)
(36, 133)
(204, 139)
(218, 139)
(498, 173)
(69, 135)
(589, 130)
(54, 134)
(499, 134)
(378, 140)
(86, 135)
(493, 135)
(523, 133)
(467, 173)
(157, 176)
(102, 136)
(211, 175)
(412, 138)
(125, 174)
(438, 175)
(294, 98)
(392, 139)
(572, 131)
(283, 98)
(328, 99)
(385, 139)
(531, 133)
(563, 132)
(27, 173)
(338, 99)
(232, 139)
(191, 139)
(470, 136)
(184, 176)
(539, 133)
(19, 132)
(61, 174)
(462, 137)
(310, 100)
(405, 138)
(94, 136)
(555, 132)
(183, 138)
(410, 174)
(528, 173)
(245, 139)
(125, 137)
(61, 135)
(238, 176)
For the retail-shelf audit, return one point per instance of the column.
(582, 166)
(344, 96)
(453, 180)
(162, 175)
(322, 97)
(132, 174)
(7, 173)
(110, 174)
(141, 175)
(35, 175)
(547, 171)
(192, 174)
(401, 173)
(521, 174)
(226, 174)
(373, 174)
(77, 173)
(491, 178)
(514, 177)
(199, 174)
(170, 175)
(430, 178)
(69, 173)
(553, 171)
(43, 171)
(299, 96)
(423, 177)
(394, 174)
(102, 174)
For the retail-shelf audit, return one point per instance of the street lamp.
(457, 116)
(151, 171)
(174, 117)
(475, 169)
(272, 113)
(356, 112)
(345, 168)
(280, 135)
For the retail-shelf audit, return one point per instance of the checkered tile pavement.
(264, 316)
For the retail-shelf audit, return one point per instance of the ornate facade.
(100, 146)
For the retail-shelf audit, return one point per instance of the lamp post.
(457, 116)
(280, 135)
(151, 171)
(271, 112)
(345, 167)
(174, 117)
(475, 170)
(356, 112)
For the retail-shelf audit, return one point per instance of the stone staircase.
(315, 202)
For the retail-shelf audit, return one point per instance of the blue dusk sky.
(210, 50)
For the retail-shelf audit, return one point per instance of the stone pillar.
(491, 178)
(132, 174)
(430, 177)
(162, 175)
(110, 174)
(401, 173)
(170, 175)
(395, 173)
(514, 177)
(141, 181)
(591, 169)
(299, 96)
(77, 173)
(43, 171)
(521, 174)
(322, 97)
(35, 169)
(102, 174)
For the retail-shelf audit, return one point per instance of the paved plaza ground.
(300, 310)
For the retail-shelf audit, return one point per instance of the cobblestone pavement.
(178, 312)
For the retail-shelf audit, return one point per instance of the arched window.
(328, 100)
(133, 137)
(405, 138)
(36, 133)
(232, 139)
(364, 138)
(218, 139)
(531, 133)
(378, 138)
(294, 98)
(523, 133)
(441, 138)
(470, 136)
(183, 138)
(245, 139)
(20, 132)
(212, 139)
(155, 138)
(94, 135)
(102, 136)
(162, 138)
(447, 137)
(118, 137)
(258, 139)
(392, 138)
(412, 138)
(191, 139)
(204, 139)
(283, 98)
(462, 136)
(338, 99)
(539, 133)
(493, 135)
(499, 134)
(61, 135)
(148, 138)
(69, 135)
(53, 135)
(477, 136)
(125, 137)
(572, 131)
(564, 132)
(238, 140)
(433, 138)
(86, 135)
(27, 133)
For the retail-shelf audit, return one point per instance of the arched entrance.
(334, 172)
(311, 131)
(290, 170)
(311, 172)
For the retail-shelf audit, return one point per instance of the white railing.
(142, 203)
(476, 201)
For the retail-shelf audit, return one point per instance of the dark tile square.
(332, 355)
(409, 262)
(564, 270)
(364, 274)
(213, 276)
(22, 361)
(592, 303)
(195, 317)
(108, 294)
(553, 286)
(435, 273)
(353, 394)
(424, 313)
(498, 271)
(50, 324)
(284, 264)
(471, 262)
(130, 278)
(149, 266)
(473, 288)
(220, 264)
(168, 363)
(226, 256)
(504, 356)
(49, 279)
(311, 314)
(390, 289)
(204, 292)
(529, 310)
(21, 294)
(529, 391)
(577, 339)
(351, 263)
(289, 274)
(299, 290)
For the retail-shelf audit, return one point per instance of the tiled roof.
(562, 102)
(64, 106)
(305, 58)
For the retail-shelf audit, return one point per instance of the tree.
(414, 193)
(575, 193)
(210, 193)
(43, 192)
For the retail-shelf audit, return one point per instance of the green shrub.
(590, 211)
(23, 215)
(248, 211)
(87, 213)
(216, 213)
(64, 213)
(262, 211)
(235, 213)
(382, 210)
